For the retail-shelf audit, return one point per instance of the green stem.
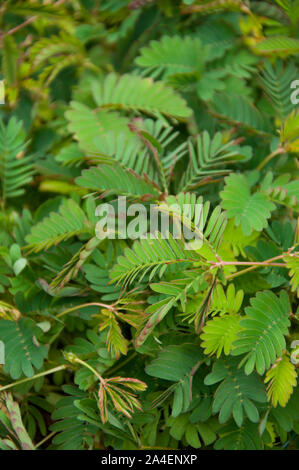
(45, 439)
(278, 151)
(41, 374)
(91, 304)
(90, 368)
(247, 263)
(240, 273)
(255, 265)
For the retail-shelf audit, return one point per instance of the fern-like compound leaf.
(69, 221)
(193, 213)
(89, 126)
(245, 437)
(263, 329)
(276, 83)
(117, 180)
(237, 392)
(251, 211)
(281, 379)
(226, 302)
(16, 170)
(150, 256)
(133, 93)
(171, 55)
(23, 354)
(292, 262)
(239, 110)
(71, 432)
(208, 157)
(219, 334)
(277, 44)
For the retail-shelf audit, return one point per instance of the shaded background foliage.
(133, 345)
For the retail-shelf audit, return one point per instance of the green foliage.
(219, 334)
(265, 324)
(116, 180)
(251, 211)
(236, 393)
(171, 56)
(116, 333)
(16, 170)
(150, 256)
(23, 353)
(68, 222)
(130, 92)
(72, 433)
(208, 157)
(282, 380)
(276, 83)
(14, 427)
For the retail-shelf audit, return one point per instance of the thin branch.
(45, 439)
(91, 304)
(20, 26)
(41, 374)
(278, 151)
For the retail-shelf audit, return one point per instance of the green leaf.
(209, 158)
(72, 433)
(132, 93)
(276, 83)
(237, 392)
(292, 262)
(174, 362)
(151, 256)
(277, 45)
(251, 211)
(16, 170)
(23, 354)
(219, 334)
(281, 379)
(233, 437)
(68, 222)
(240, 111)
(171, 55)
(264, 327)
(116, 180)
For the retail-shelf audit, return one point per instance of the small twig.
(85, 364)
(41, 374)
(91, 304)
(45, 439)
(245, 263)
(278, 151)
(20, 26)
(263, 263)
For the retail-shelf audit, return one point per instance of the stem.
(278, 151)
(97, 304)
(41, 374)
(267, 262)
(20, 26)
(264, 263)
(45, 439)
(91, 368)
(245, 263)
(240, 273)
